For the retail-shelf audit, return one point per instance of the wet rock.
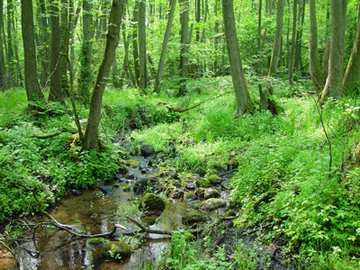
(122, 169)
(214, 179)
(211, 193)
(190, 196)
(116, 250)
(190, 185)
(105, 189)
(192, 217)
(147, 150)
(148, 220)
(200, 171)
(119, 177)
(204, 183)
(130, 176)
(141, 184)
(152, 201)
(212, 204)
(76, 192)
(117, 185)
(226, 184)
(177, 194)
(200, 192)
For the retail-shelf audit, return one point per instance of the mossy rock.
(204, 183)
(212, 204)
(117, 185)
(229, 213)
(233, 163)
(200, 171)
(116, 250)
(133, 163)
(192, 217)
(200, 192)
(126, 188)
(152, 201)
(123, 162)
(213, 179)
(122, 169)
(211, 193)
(98, 241)
(148, 220)
(190, 196)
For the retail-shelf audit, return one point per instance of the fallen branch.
(201, 102)
(47, 135)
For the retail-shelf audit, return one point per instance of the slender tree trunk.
(10, 52)
(184, 57)
(315, 69)
(31, 83)
(352, 73)
(293, 42)
(142, 45)
(333, 86)
(2, 60)
(64, 45)
(243, 102)
(91, 138)
(157, 86)
(55, 79)
(86, 54)
(216, 38)
(135, 43)
(297, 62)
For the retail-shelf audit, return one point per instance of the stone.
(133, 163)
(141, 184)
(204, 183)
(212, 204)
(148, 220)
(211, 193)
(116, 250)
(152, 201)
(214, 179)
(76, 192)
(126, 188)
(147, 150)
(193, 216)
(200, 192)
(177, 194)
(97, 241)
(233, 163)
(229, 213)
(190, 196)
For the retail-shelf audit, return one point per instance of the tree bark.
(55, 94)
(91, 139)
(293, 43)
(333, 86)
(2, 60)
(157, 86)
(142, 45)
(314, 60)
(135, 42)
(243, 102)
(184, 57)
(352, 73)
(31, 83)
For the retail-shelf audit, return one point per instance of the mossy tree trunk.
(91, 139)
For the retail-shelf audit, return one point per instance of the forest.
(165, 134)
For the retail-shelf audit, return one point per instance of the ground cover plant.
(283, 177)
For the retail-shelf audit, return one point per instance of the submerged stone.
(152, 201)
(116, 250)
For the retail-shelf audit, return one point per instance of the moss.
(188, 236)
(97, 241)
(116, 250)
(126, 188)
(204, 183)
(200, 192)
(190, 196)
(134, 163)
(152, 201)
(229, 213)
(148, 220)
(117, 185)
(213, 203)
(192, 217)
(213, 179)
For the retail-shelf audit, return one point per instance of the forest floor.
(294, 183)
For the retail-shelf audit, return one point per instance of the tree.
(352, 73)
(55, 79)
(314, 61)
(31, 83)
(142, 45)
(243, 101)
(2, 60)
(157, 86)
(91, 140)
(333, 86)
(184, 57)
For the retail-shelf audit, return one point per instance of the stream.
(96, 211)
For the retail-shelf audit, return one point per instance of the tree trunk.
(64, 45)
(352, 73)
(243, 102)
(86, 53)
(315, 69)
(135, 43)
(184, 57)
(10, 51)
(157, 86)
(55, 94)
(31, 83)
(333, 86)
(142, 45)
(293, 42)
(2, 60)
(91, 139)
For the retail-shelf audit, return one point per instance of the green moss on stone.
(204, 183)
(116, 250)
(152, 201)
(213, 179)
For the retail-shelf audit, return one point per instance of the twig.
(47, 135)
(258, 229)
